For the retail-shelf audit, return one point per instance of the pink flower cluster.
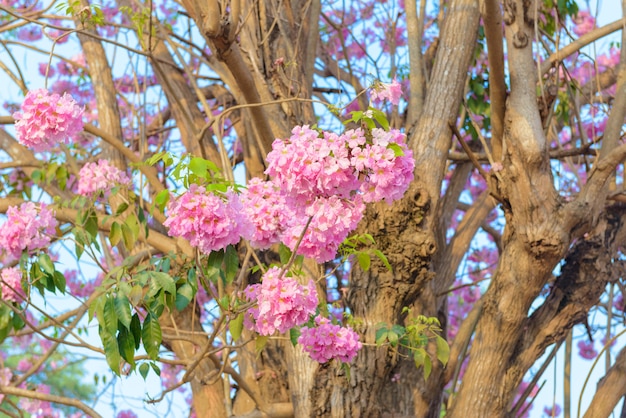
(100, 177)
(328, 341)
(384, 91)
(308, 164)
(26, 228)
(327, 178)
(585, 23)
(46, 119)
(265, 206)
(332, 219)
(282, 303)
(11, 284)
(206, 220)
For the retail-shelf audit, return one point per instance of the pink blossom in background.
(327, 341)
(267, 211)
(126, 414)
(332, 220)
(382, 91)
(552, 411)
(29, 34)
(100, 177)
(43, 66)
(11, 284)
(206, 220)
(282, 303)
(26, 228)
(584, 22)
(47, 119)
(586, 350)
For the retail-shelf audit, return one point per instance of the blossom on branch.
(26, 228)
(100, 177)
(206, 220)
(266, 209)
(11, 284)
(282, 303)
(384, 91)
(327, 341)
(45, 119)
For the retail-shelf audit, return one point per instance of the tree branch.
(611, 388)
(581, 42)
(31, 394)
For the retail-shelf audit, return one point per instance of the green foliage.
(358, 245)
(414, 339)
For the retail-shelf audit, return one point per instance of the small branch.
(581, 42)
(31, 394)
(468, 151)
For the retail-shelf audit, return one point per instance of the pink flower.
(206, 220)
(327, 341)
(309, 165)
(265, 207)
(388, 175)
(586, 350)
(100, 177)
(282, 303)
(332, 220)
(126, 414)
(383, 91)
(47, 119)
(11, 284)
(585, 23)
(26, 229)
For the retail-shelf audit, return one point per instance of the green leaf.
(151, 336)
(135, 330)
(184, 295)
(46, 264)
(109, 316)
(381, 335)
(162, 198)
(231, 264)
(121, 208)
(133, 224)
(156, 369)
(364, 260)
(284, 253)
(91, 224)
(260, 343)
(294, 334)
(443, 350)
(160, 280)
(59, 281)
(111, 350)
(116, 234)
(381, 119)
(126, 346)
(5, 316)
(236, 327)
(428, 367)
(199, 167)
(129, 238)
(144, 369)
(122, 309)
(397, 150)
